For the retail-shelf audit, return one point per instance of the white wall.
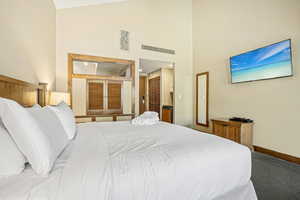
(27, 30)
(95, 30)
(222, 28)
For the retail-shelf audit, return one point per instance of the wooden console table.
(239, 132)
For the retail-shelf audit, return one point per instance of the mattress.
(116, 160)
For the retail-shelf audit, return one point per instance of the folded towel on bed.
(147, 118)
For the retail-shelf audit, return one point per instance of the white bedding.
(28, 185)
(119, 161)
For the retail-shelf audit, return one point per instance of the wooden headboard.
(24, 93)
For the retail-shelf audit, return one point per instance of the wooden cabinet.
(167, 114)
(239, 132)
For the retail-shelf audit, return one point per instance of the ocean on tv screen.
(265, 63)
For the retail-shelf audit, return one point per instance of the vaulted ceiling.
(77, 3)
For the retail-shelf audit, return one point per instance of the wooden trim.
(70, 73)
(79, 57)
(18, 82)
(98, 59)
(279, 155)
(42, 94)
(97, 77)
(114, 116)
(207, 98)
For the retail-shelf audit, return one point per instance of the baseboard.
(276, 154)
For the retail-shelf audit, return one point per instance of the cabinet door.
(233, 133)
(220, 130)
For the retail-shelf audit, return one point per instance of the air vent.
(157, 49)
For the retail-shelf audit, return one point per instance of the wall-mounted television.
(273, 61)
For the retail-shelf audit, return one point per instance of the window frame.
(78, 57)
(105, 109)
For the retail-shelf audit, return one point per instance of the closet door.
(95, 97)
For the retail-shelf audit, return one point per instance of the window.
(104, 97)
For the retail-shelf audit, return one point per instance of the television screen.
(269, 62)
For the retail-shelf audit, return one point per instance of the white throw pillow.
(52, 127)
(12, 161)
(66, 116)
(28, 135)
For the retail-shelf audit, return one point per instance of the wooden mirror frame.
(206, 74)
(78, 57)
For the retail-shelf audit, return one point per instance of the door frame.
(173, 61)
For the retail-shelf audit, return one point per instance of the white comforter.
(119, 161)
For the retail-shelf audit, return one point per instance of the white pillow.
(28, 135)
(66, 116)
(12, 161)
(52, 127)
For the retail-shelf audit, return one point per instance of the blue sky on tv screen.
(276, 53)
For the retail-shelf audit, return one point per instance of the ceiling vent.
(158, 49)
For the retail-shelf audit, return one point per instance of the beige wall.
(95, 30)
(167, 79)
(28, 40)
(222, 28)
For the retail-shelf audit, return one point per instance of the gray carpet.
(275, 179)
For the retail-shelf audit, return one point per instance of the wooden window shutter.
(95, 95)
(114, 95)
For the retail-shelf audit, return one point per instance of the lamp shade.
(57, 97)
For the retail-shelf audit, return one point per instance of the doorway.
(157, 88)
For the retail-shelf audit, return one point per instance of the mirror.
(202, 86)
(102, 68)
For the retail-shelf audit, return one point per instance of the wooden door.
(154, 95)
(114, 92)
(142, 94)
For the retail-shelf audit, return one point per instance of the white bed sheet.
(204, 166)
(22, 186)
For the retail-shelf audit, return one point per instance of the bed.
(121, 161)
